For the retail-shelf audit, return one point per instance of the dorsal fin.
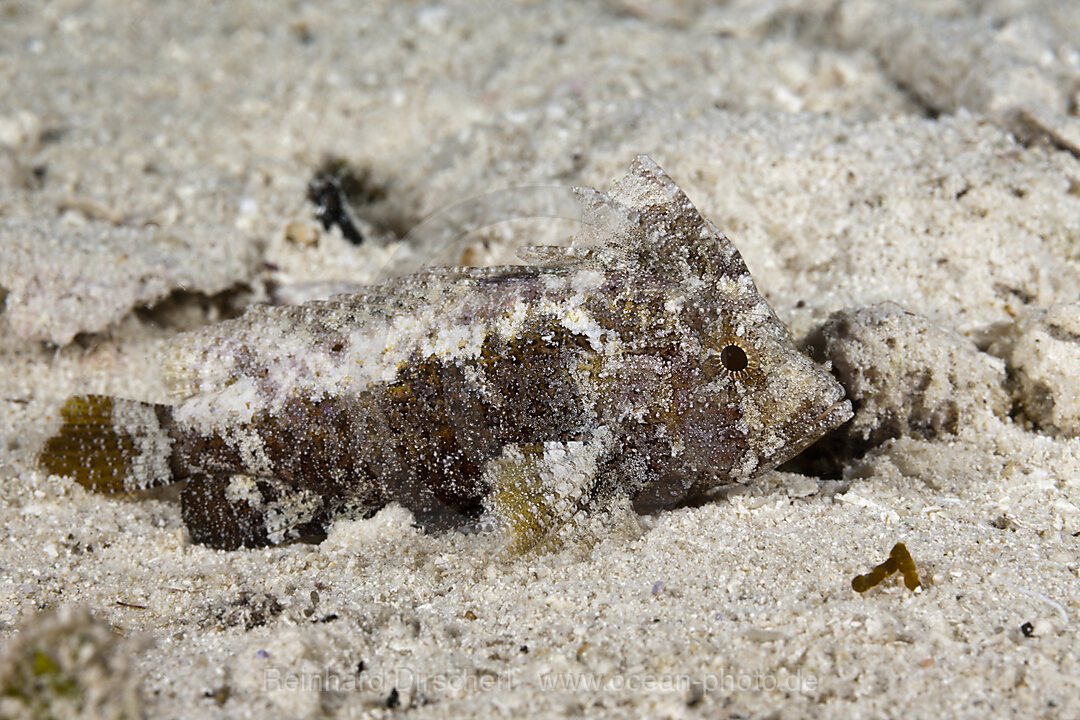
(650, 221)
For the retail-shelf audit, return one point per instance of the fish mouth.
(809, 427)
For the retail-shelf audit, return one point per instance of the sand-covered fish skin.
(640, 363)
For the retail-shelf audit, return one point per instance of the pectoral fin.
(551, 495)
(232, 511)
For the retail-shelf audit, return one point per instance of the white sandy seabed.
(908, 169)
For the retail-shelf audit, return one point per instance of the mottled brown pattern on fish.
(422, 440)
(639, 366)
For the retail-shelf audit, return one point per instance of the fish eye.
(734, 358)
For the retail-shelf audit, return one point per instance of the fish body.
(639, 364)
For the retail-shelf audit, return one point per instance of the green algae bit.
(68, 664)
(899, 559)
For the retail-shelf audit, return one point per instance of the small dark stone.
(331, 211)
(335, 188)
(249, 609)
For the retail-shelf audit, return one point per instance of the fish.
(637, 367)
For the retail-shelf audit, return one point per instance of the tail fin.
(111, 445)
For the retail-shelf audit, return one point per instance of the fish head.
(755, 386)
(747, 399)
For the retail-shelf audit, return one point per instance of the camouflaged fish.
(640, 365)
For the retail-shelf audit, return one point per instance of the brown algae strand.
(906, 566)
(899, 560)
(862, 583)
